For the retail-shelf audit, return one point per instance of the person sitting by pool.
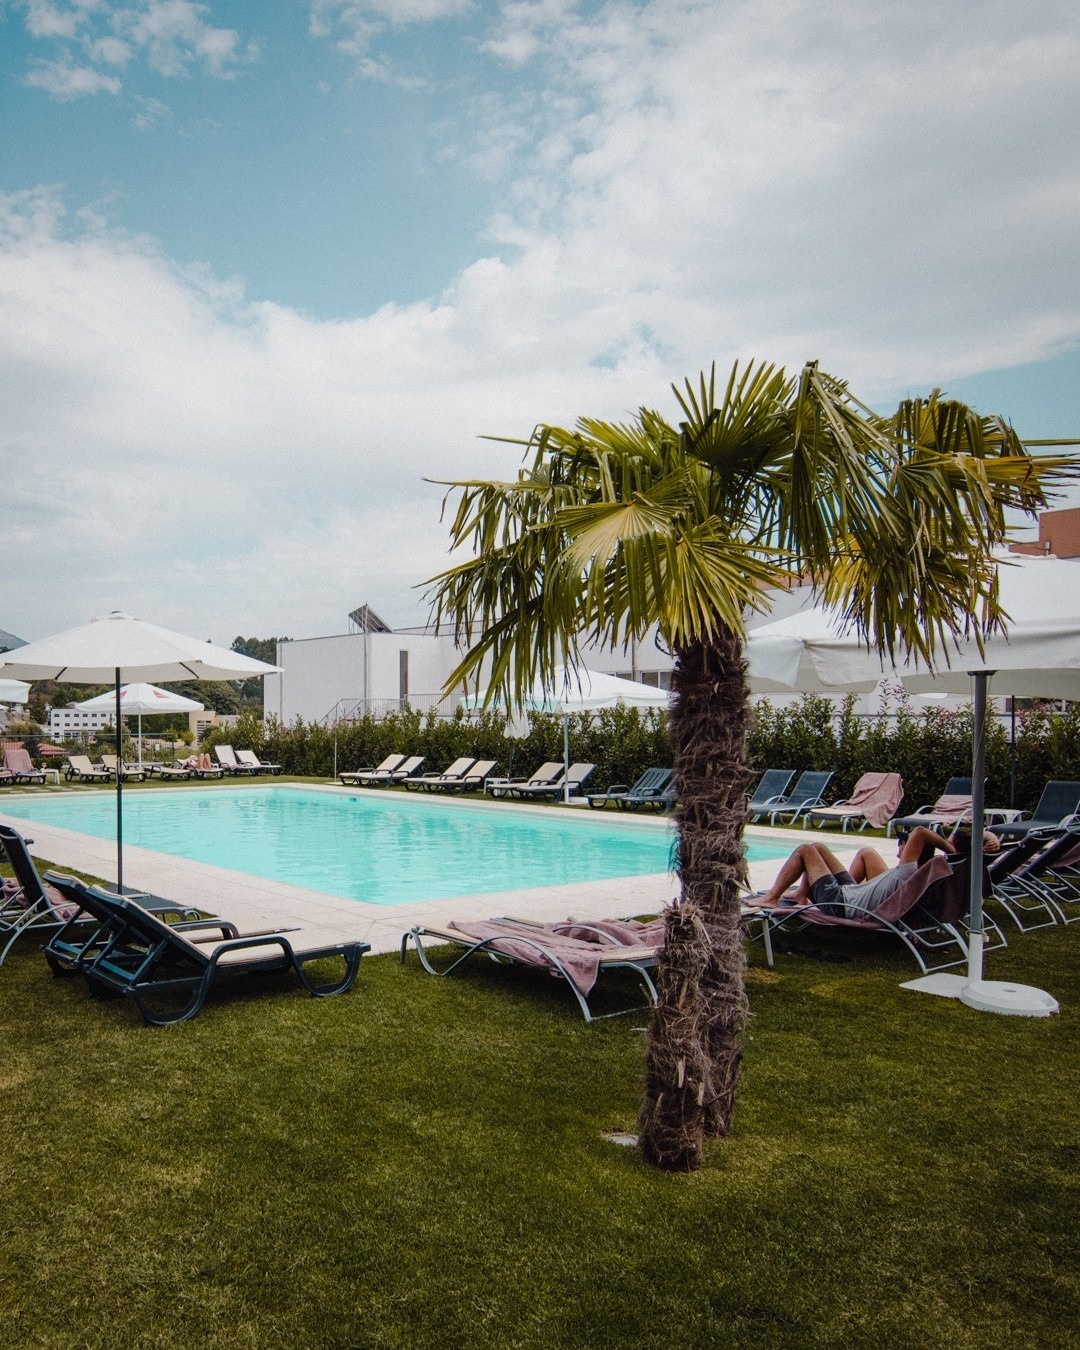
(825, 883)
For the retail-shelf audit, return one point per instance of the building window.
(403, 676)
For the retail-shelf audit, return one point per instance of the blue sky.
(265, 267)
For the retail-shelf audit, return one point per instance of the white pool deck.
(253, 901)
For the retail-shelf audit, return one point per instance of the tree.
(261, 649)
(613, 527)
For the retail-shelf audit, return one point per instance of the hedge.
(926, 748)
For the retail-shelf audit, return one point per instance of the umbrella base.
(999, 996)
(1016, 1000)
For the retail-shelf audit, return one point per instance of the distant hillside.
(9, 640)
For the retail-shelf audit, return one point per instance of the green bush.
(926, 747)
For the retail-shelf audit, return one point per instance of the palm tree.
(615, 527)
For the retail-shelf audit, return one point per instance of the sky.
(267, 268)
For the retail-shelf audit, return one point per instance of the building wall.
(74, 721)
(1059, 532)
(319, 674)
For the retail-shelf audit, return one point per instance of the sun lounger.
(807, 794)
(470, 781)
(927, 913)
(565, 785)
(80, 768)
(953, 806)
(29, 903)
(168, 770)
(226, 758)
(248, 759)
(168, 970)
(451, 777)
(647, 791)
(371, 777)
(406, 770)
(873, 802)
(546, 773)
(18, 763)
(771, 791)
(1054, 874)
(202, 767)
(132, 771)
(1027, 877)
(1058, 807)
(579, 960)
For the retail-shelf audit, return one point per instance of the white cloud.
(893, 190)
(174, 36)
(57, 18)
(63, 81)
(356, 25)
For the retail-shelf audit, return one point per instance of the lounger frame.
(135, 955)
(612, 958)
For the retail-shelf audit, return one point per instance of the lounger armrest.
(228, 930)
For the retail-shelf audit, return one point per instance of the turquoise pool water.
(381, 850)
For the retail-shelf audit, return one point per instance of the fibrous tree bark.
(693, 1051)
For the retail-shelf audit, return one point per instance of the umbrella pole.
(119, 796)
(978, 813)
(566, 758)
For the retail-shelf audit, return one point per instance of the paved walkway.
(253, 901)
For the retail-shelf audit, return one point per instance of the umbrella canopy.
(1038, 656)
(582, 690)
(577, 691)
(93, 653)
(109, 647)
(14, 691)
(140, 699)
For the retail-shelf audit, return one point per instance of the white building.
(76, 721)
(375, 669)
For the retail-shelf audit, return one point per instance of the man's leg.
(868, 863)
(811, 861)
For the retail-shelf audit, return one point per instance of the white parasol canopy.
(117, 644)
(1039, 656)
(577, 691)
(93, 653)
(139, 700)
(14, 691)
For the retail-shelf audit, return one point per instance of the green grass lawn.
(421, 1162)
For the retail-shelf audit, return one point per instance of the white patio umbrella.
(1038, 657)
(106, 649)
(139, 700)
(581, 691)
(14, 691)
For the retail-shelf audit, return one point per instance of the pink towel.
(876, 796)
(580, 960)
(951, 809)
(622, 932)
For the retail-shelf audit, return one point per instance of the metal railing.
(353, 709)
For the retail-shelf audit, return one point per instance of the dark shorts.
(827, 895)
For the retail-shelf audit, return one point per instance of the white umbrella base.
(1016, 1000)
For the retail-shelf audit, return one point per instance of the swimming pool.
(378, 849)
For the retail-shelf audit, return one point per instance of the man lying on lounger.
(825, 883)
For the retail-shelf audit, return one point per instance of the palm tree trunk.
(692, 1057)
